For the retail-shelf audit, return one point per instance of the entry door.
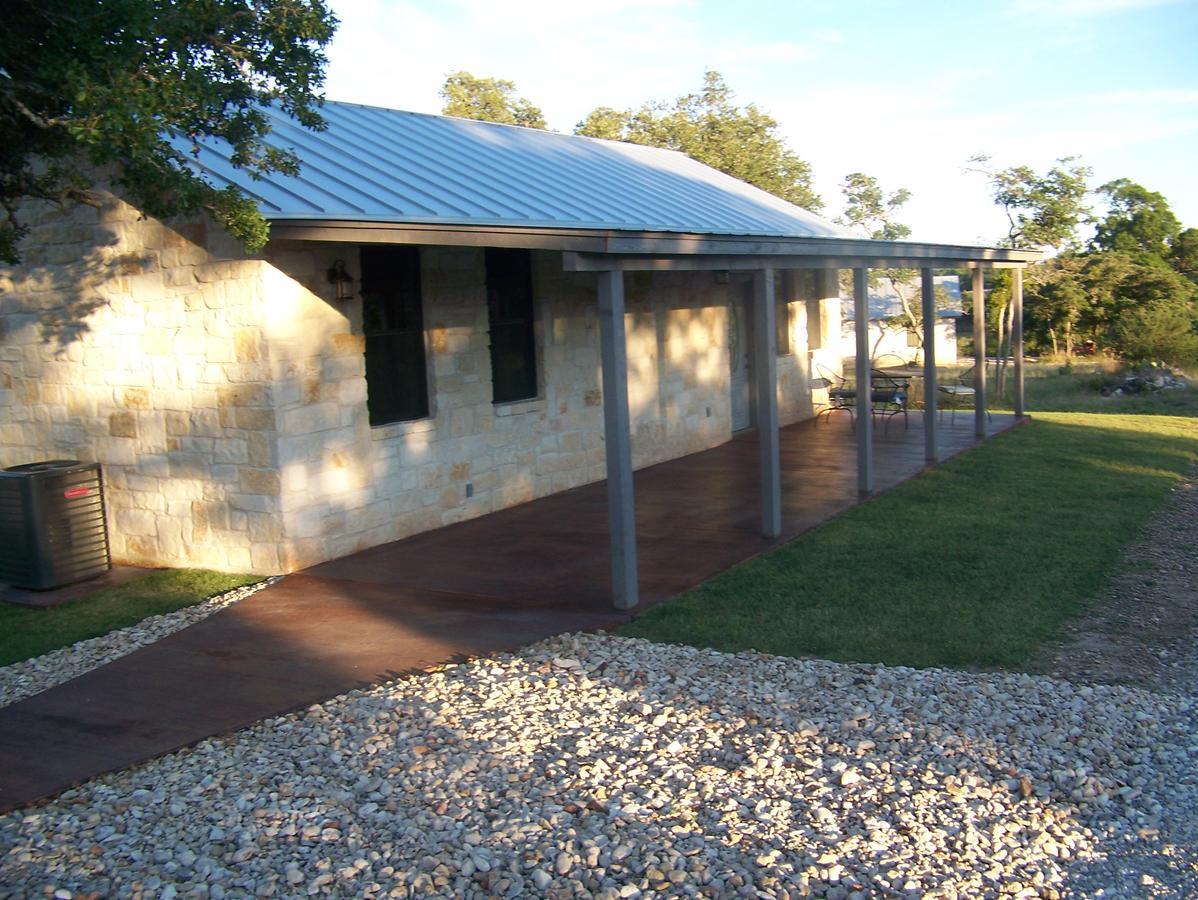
(740, 356)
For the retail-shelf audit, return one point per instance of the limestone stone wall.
(141, 346)
(347, 485)
(226, 396)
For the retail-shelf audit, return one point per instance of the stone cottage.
(451, 317)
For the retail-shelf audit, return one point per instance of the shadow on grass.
(974, 564)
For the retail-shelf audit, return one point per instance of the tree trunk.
(912, 323)
(1052, 333)
(1069, 342)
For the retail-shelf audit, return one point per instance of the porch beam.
(579, 261)
(621, 508)
(864, 399)
(1017, 336)
(765, 371)
(979, 353)
(927, 287)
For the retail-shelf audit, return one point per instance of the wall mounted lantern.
(341, 280)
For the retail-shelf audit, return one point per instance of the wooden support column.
(621, 509)
(1017, 335)
(979, 352)
(864, 404)
(765, 372)
(927, 287)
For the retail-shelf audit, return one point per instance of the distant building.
(886, 332)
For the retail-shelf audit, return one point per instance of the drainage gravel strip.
(32, 676)
(591, 765)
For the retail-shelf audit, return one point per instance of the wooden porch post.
(979, 352)
(621, 509)
(927, 287)
(864, 400)
(765, 371)
(1017, 335)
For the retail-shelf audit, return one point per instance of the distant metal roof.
(385, 165)
(885, 303)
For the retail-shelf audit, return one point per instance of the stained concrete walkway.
(487, 585)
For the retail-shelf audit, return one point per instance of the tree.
(1183, 255)
(869, 210)
(1159, 331)
(92, 88)
(488, 100)
(604, 122)
(1138, 220)
(709, 126)
(1056, 299)
(1042, 210)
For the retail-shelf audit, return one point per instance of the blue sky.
(903, 91)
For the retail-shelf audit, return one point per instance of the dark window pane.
(393, 322)
(510, 314)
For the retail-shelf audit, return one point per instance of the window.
(393, 323)
(783, 290)
(510, 315)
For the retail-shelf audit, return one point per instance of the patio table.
(907, 374)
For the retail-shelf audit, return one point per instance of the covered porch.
(763, 259)
(694, 517)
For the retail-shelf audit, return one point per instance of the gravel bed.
(610, 767)
(32, 676)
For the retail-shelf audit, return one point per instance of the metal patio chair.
(888, 396)
(841, 397)
(959, 391)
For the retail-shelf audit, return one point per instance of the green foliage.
(1042, 210)
(947, 569)
(98, 85)
(604, 122)
(869, 210)
(25, 633)
(708, 126)
(488, 100)
(1138, 220)
(1158, 331)
(1086, 295)
(1183, 255)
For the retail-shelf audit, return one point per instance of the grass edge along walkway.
(26, 633)
(973, 564)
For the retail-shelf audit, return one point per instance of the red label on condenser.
(72, 493)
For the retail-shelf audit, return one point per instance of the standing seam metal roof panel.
(383, 165)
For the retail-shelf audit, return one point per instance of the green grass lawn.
(1049, 389)
(25, 633)
(973, 564)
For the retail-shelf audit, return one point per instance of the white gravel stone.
(32, 676)
(514, 776)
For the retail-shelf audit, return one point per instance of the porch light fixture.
(341, 280)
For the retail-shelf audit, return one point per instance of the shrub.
(1159, 331)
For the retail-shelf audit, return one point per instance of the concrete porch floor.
(488, 585)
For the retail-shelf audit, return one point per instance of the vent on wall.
(52, 526)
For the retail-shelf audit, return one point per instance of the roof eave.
(595, 249)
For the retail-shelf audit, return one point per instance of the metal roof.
(384, 165)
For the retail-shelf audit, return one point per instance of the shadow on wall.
(58, 286)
